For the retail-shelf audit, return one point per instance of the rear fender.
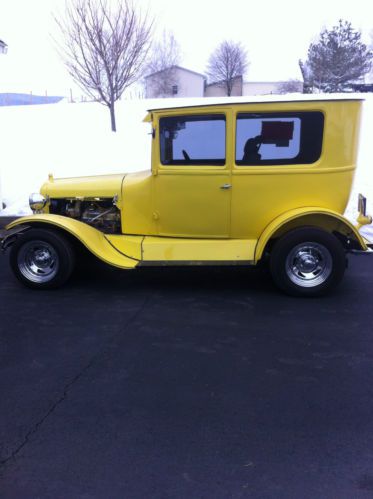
(322, 218)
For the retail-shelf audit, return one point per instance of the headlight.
(37, 201)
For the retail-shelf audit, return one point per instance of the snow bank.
(364, 175)
(75, 139)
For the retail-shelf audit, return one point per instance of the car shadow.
(94, 273)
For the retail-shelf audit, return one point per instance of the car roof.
(189, 102)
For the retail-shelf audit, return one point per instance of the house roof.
(175, 67)
(3, 43)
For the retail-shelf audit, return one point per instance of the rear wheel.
(307, 262)
(42, 259)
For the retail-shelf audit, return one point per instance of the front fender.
(315, 216)
(94, 240)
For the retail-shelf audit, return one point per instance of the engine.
(100, 213)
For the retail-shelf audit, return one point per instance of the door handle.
(225, 186)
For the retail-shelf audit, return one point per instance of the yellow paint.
(148, 118)
(197, 250)
(363, 220)
(189, 199)
(106, 186)
(127, 245)
(93, 239)
(137, 204)
(126, 251)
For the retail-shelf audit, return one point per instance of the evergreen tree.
(338, 59)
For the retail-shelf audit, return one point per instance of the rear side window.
(279, 139)
(193, 140)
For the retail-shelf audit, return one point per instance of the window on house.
(174, 89)
(279, 139)
(193, 140)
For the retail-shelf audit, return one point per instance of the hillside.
(13, 99)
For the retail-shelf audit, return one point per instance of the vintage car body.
(230, 204)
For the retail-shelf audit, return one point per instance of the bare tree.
(105, 47)
(227, 62)
(290, 87)
(165, 55)
(308, 77)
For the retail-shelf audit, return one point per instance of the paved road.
(186, 384)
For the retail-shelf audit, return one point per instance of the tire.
(42, 259)
(307, 262)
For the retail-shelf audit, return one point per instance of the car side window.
(277, 139)
(193, 140)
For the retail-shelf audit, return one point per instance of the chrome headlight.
(37, 201)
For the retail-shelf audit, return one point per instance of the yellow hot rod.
(233, 183)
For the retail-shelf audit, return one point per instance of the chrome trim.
(38, 261)
(309, 264)
(37, 202)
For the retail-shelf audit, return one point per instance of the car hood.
(106, 186)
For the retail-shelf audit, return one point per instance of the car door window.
(193, 140)
(276, 139)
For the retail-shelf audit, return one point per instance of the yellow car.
(234, 183)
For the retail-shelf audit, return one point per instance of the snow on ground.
(67, 140)
(363, 182)
(75, 139)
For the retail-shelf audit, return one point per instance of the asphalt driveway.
(181, 383)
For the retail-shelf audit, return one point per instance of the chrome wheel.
(309, 264)
(38, 261)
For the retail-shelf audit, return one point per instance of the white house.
(268, 87)
(174, 82)
(218, 89)
(181, 82)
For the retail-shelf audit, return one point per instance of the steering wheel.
(186, 155)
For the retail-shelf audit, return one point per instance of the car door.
(193, 176)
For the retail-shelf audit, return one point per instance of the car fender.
(308, 216)
(94, 240)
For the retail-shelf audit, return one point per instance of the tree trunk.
(112, 117)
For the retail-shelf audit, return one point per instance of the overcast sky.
(276, 34)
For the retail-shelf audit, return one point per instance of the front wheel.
(42, 259)
(307, 262)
